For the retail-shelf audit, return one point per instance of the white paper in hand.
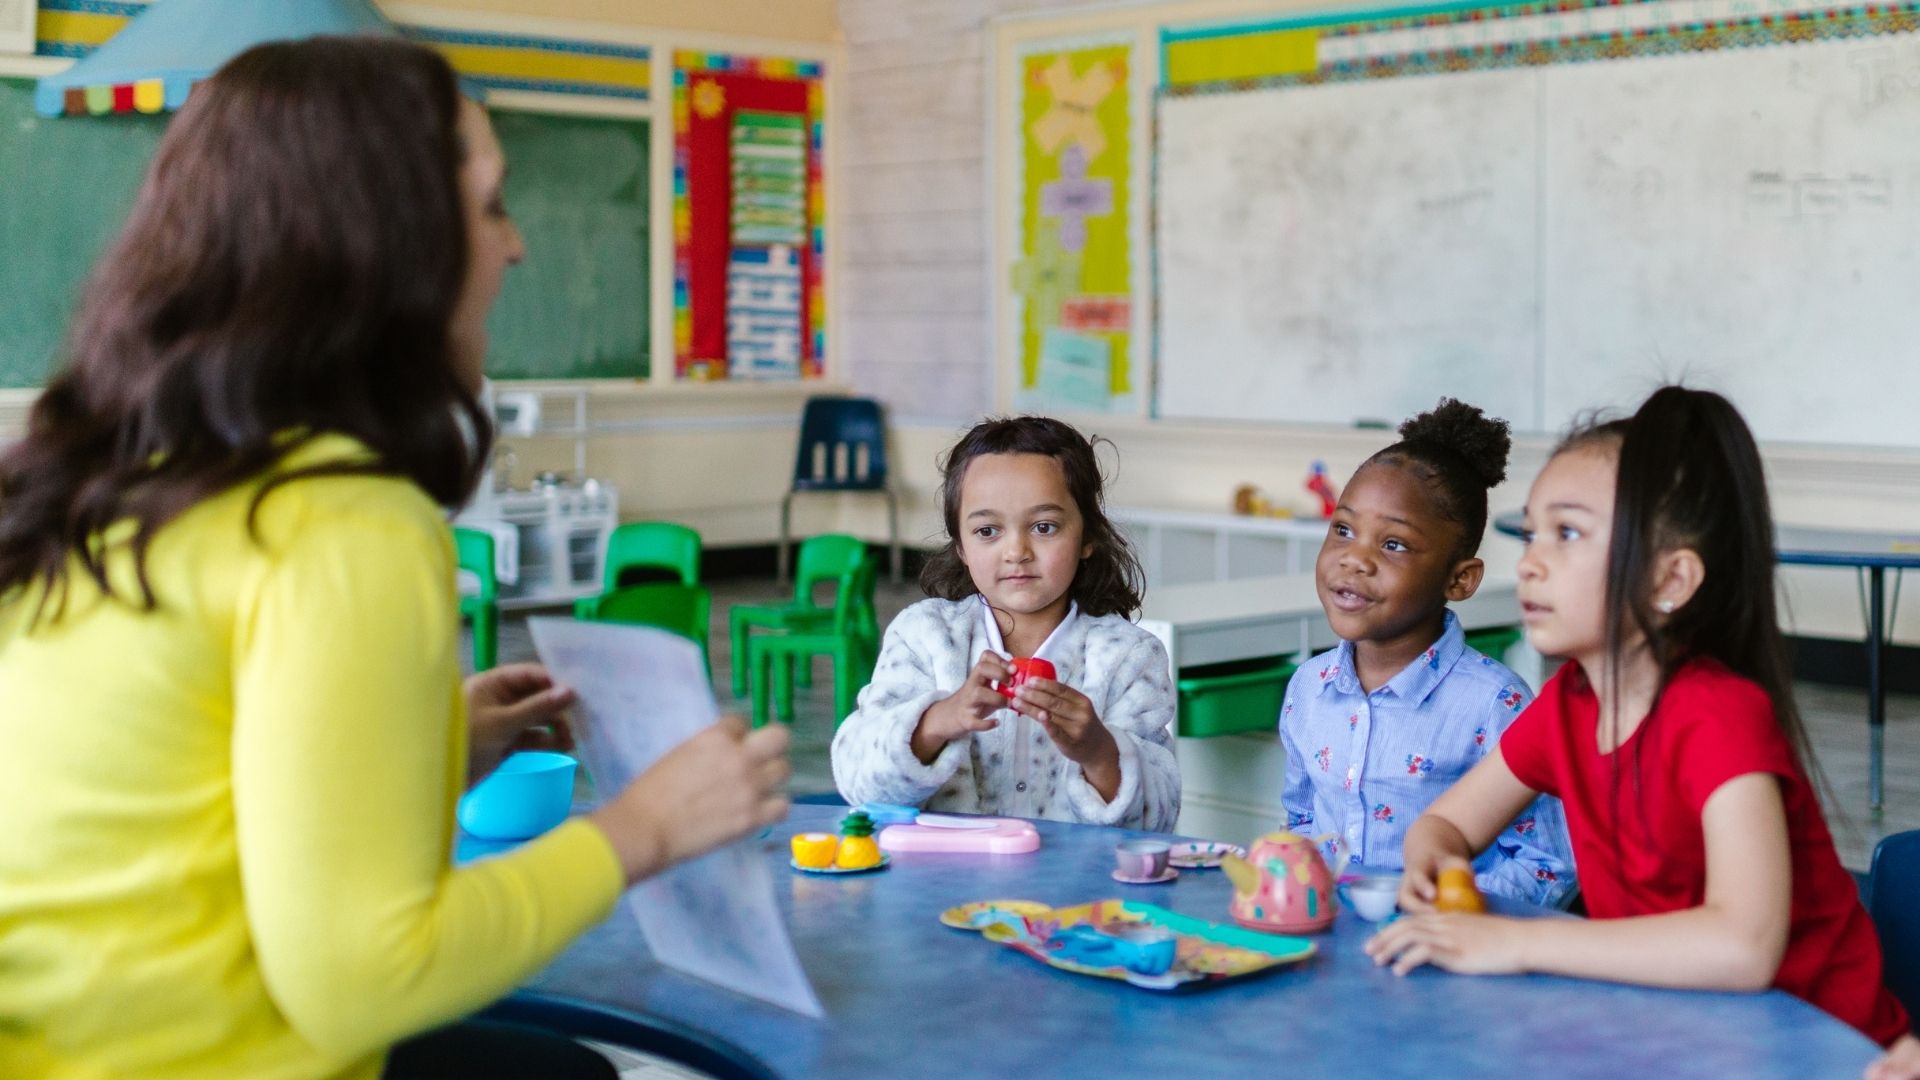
(643, 692)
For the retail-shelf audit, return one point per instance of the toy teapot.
(1283, 886)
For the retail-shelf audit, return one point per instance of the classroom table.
(1868, 553)
(906, 996)
(1215, 621)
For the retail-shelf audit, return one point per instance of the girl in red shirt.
(1671, 737)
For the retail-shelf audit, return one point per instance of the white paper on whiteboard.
(642, 692)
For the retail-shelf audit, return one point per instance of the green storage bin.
(1225, 699)
(1494, 641)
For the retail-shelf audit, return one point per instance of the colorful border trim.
(1420, 41)
(72, 29)
(687, 63)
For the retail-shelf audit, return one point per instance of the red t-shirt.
(1637, 840)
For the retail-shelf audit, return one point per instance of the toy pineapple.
(858, 849)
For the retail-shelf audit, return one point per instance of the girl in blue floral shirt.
(1377, 728)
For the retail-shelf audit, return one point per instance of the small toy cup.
(1142, 858)
(1024, 668)
(528, 794)
(1373, 897)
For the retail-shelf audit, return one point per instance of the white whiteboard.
(1343, 244)
(1748, 220)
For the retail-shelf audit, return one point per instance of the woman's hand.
(1900, 1062)
(1463, 944)
(965, 711)
(512, 708)
(1075, 728)
(718, 786)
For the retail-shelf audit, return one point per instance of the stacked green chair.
(473, 550)
(668, 605)
(822, 559)
(652, 545)
(648, 545)
(851, 638)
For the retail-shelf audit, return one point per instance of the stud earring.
(1665, 606)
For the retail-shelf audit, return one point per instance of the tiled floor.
(1836, 720)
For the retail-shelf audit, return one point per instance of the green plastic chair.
(473, 551)
(659, 545)
(852, 640)
(822, 559)
(668, 605)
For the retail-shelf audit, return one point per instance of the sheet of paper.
(641, 693)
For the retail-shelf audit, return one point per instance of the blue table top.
(907, 996)
(1807, 545)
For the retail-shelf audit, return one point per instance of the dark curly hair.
(1108, 581)
(1458, 453)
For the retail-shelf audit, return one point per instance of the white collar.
(995, 642)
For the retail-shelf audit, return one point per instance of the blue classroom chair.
(1893, 899)
(843, 447)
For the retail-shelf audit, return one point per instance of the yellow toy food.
(1457, 892)
(815, 850)
(858, 849)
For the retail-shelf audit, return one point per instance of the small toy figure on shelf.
(1319, 484)
(858, 849)
(1248, 499)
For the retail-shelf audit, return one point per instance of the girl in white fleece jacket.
(1032, 568)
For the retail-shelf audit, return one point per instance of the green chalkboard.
(65, 188)
(577, 308)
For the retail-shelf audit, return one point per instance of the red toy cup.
(1027, 667)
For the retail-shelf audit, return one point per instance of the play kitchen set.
(1283, 889)
(550, 536)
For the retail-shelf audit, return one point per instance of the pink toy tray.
(962, 835)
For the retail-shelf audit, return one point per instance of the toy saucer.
(977, 915)
(1128, 879)
(1202, 854)
(885, 861)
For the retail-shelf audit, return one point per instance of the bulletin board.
(749, 218)
(1073, 278)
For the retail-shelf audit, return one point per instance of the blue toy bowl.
(528, 794)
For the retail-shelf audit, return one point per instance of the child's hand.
(1463, 944)
(1901, 1061)
(966, 710)
(511, 708)
(1075, 728)
(1419, 881)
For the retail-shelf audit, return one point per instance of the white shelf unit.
(1186, 547)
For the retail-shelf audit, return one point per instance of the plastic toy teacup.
(1374, 897)
(1024, 668)
(528, 794)
(1142, 859)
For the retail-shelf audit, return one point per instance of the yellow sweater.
(227, 822)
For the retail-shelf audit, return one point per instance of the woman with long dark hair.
(233, 727)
